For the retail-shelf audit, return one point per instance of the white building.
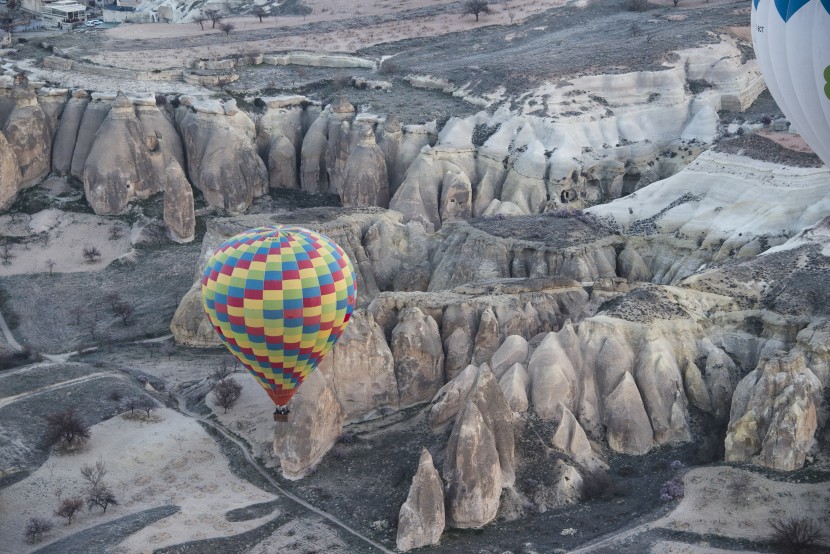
(57, 13)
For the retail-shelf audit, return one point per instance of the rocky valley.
(591, 260)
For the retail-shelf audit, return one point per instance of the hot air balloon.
(279, 297)
(792, 44)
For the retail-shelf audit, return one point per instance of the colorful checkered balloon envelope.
(279, 297)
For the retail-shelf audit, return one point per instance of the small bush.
(637, 5)
(226, 393)
(36, 527)
(795, 534)
(388, 67)
(91, 254)
(68, 508)
(672, 490)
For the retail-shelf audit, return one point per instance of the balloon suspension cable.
(281, 413)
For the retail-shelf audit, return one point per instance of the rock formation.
(773, 419)
(29, 134)
(661, 387)
(515, 383)
(450, 398)
(10, 178)
(179, 212)
(363, 369)
(421, 520)
(553, 373)
(67, 134)
(314, 425)
(512, 351)
(121, 165)
(365, 180)
(190, 326)
(313, 174)
(629, 430)
(570, 438)
(472, 471)
(222, 160)
(419, 357)
(282, 164)
(399, 255)
(389, 139)
(94, 114)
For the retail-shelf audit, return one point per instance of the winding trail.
(182, 407)
(12, 399)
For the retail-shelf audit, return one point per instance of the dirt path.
(182, 407)
(12, 399)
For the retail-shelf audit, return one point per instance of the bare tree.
(69, 507)
(476, 7)
(215, 17)
(91, 324)
(66, 426)
(78, 312)
(675, 2)
(227, 28)
(168, 349)
(200, 19)
(91, 254)
(94, 474)
(146, 404)
(123, 309)
(226, 393)
(128, 403)
(223, 370)
(102, 497)
(50, 265)
(36, 527)
(259, 11)
(115, 232)
(6, 253)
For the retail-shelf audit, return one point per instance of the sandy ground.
(251, 417)
(68, 235)
(168, 460)
(671, 547)
(340, 40)
(787, 140)
(712, 506)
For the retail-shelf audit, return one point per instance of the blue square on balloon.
(292, 304)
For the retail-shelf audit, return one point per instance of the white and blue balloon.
(792, 44)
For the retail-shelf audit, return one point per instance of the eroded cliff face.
(629, 130)
(222, 161)
(539, 307)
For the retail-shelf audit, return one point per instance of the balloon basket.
(280, 416)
